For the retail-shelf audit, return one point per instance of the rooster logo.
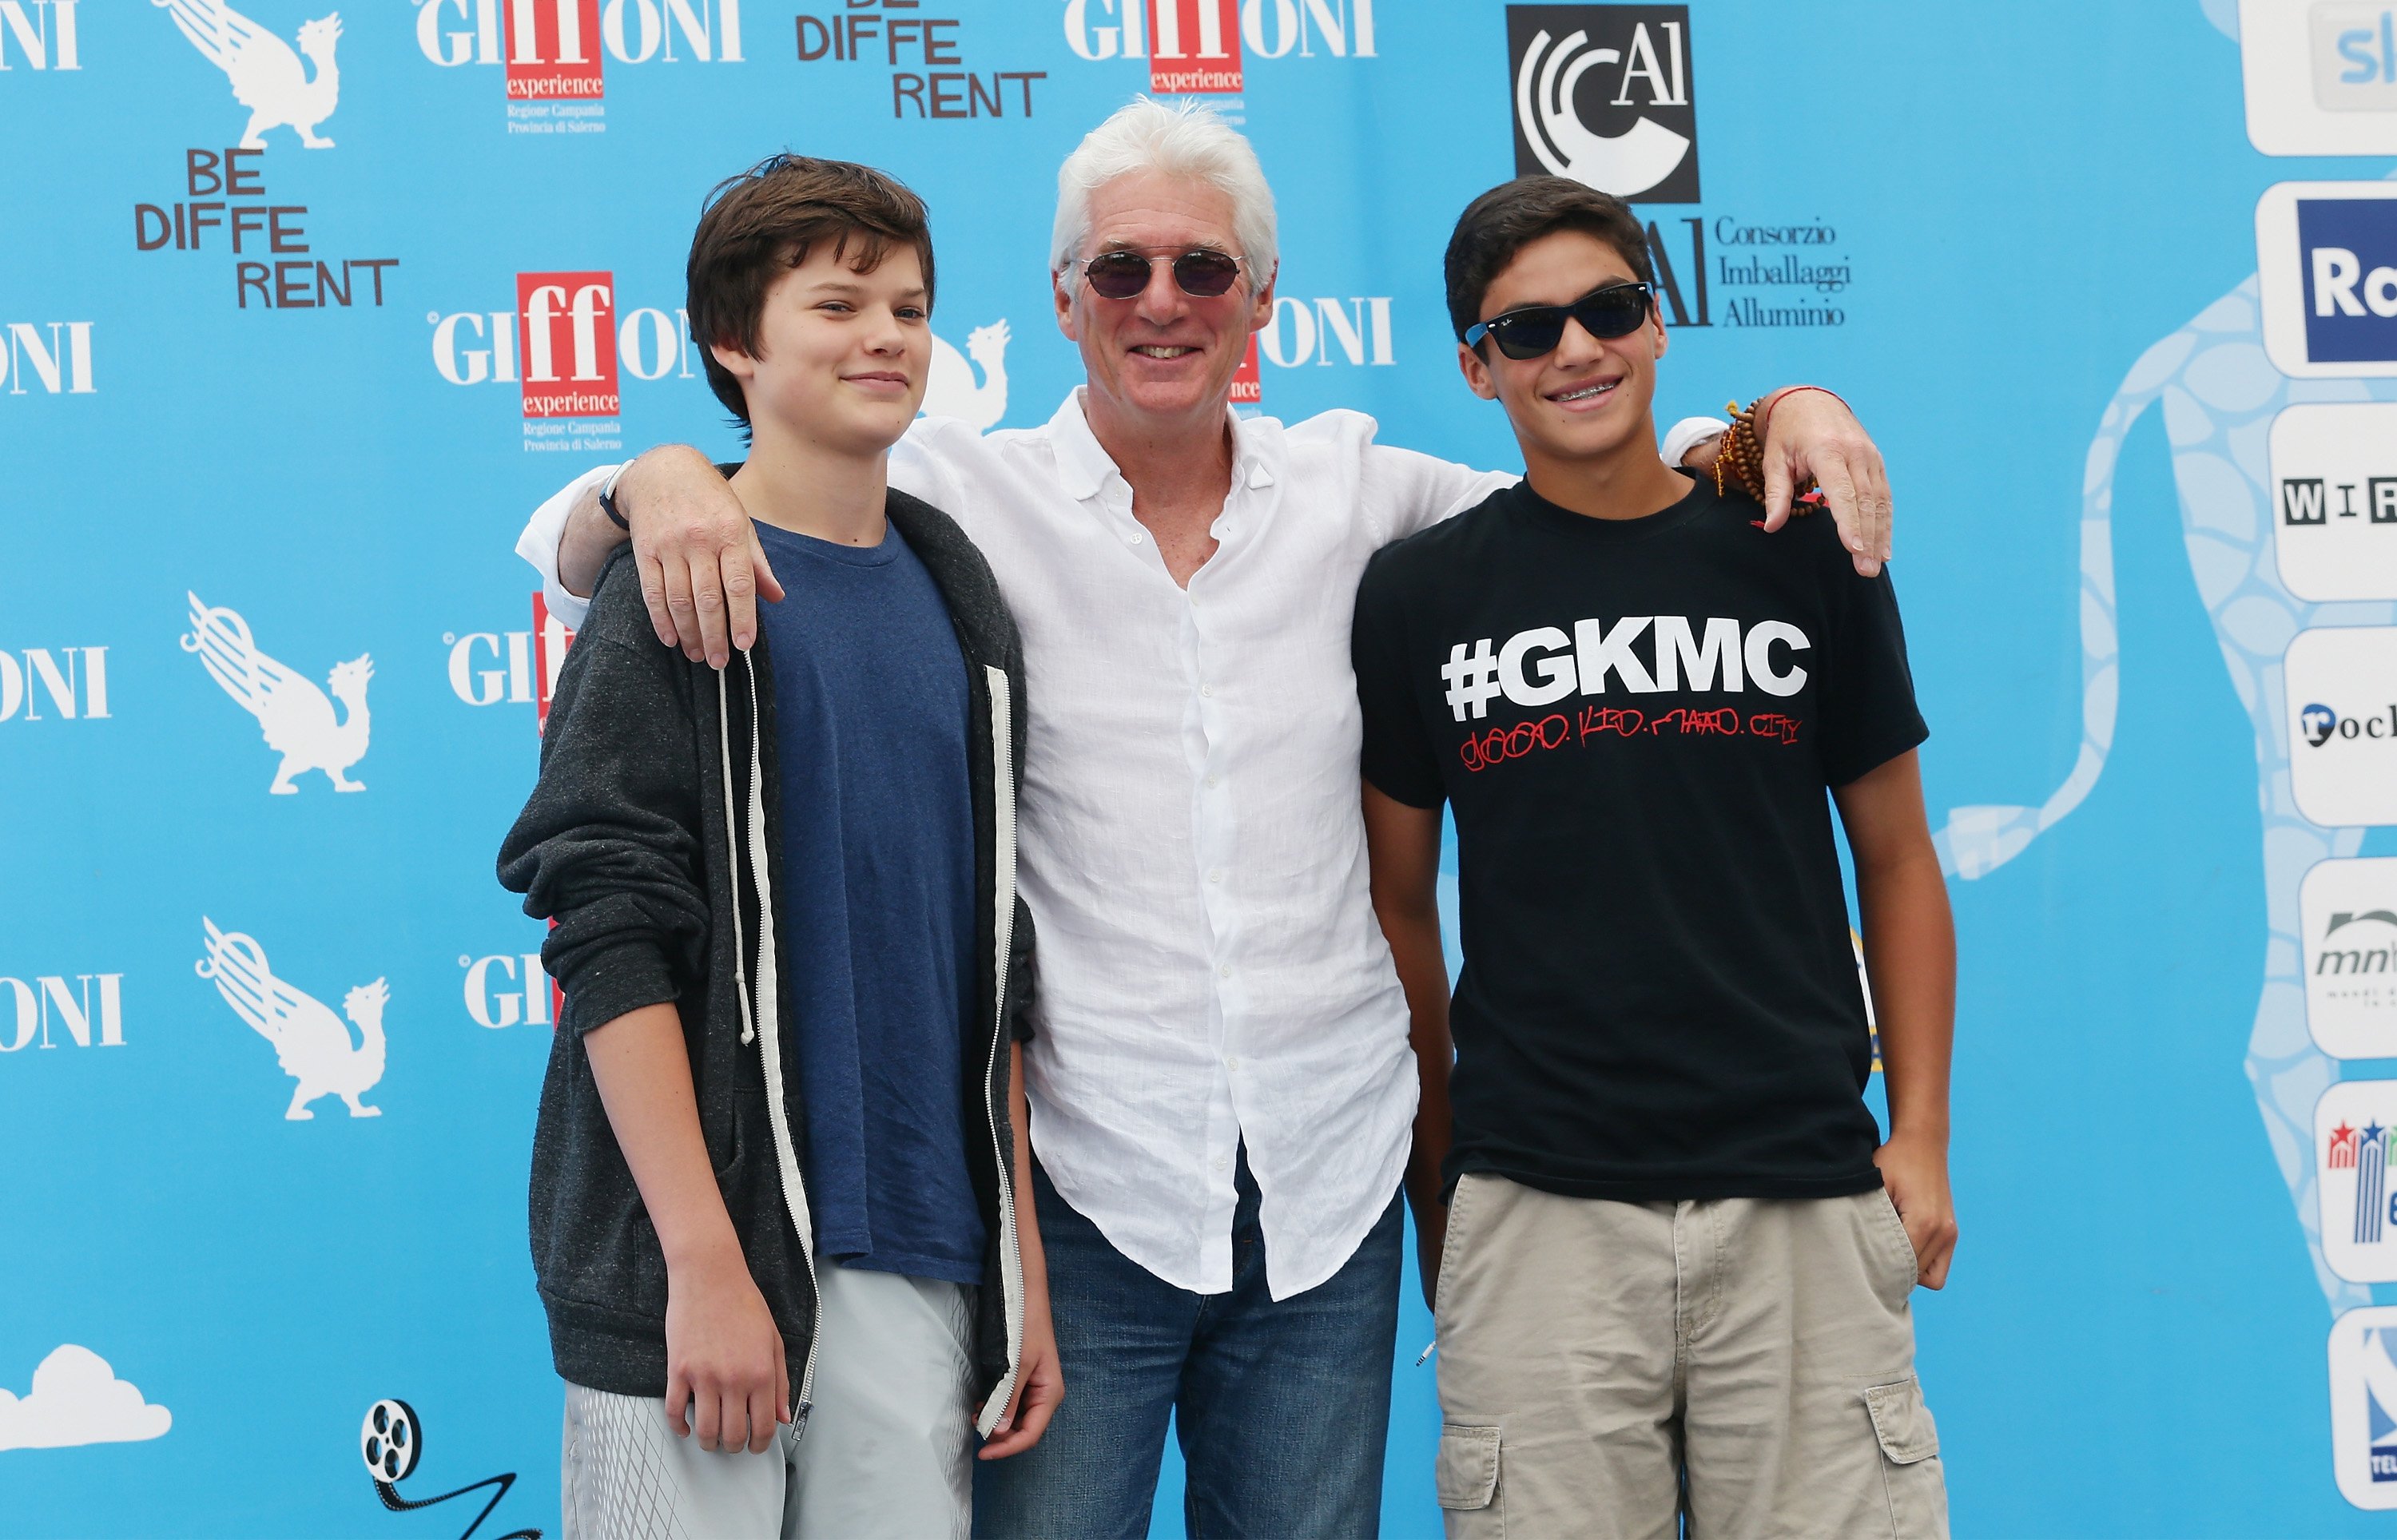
(950, 391)
(267, 76)
(310, 1044)
(296, 716)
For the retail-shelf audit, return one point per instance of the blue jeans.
(1283, 1406)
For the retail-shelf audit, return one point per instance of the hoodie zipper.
(1002, 747)
(768, 1005)
(762, 1021)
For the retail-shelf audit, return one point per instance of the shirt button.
(1208, 690)
(1233, 1063)
(1222, 1165)
(1214, 780)
(1136, 536)
(1225, 970)
(1214, 876)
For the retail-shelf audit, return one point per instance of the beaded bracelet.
(1740, 458)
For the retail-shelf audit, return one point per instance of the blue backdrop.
(271, 421)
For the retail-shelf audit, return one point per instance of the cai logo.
(2348, 914)
(42, 34)
(312, 1045)
(2321, 77)
(283, 85)
(2364, 1403)
(2342, 682)
(1602, 95)
(2326, 258)
(298, 720)
(2334, 482)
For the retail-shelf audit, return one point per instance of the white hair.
(1190, 140)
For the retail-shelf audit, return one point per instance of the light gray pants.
(1591, 1351)
(889, 1449)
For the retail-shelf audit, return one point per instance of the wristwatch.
(607, 496)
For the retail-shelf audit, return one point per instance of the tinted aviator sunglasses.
(1615, 310)
(1202, 274)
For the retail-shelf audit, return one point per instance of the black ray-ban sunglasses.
(1617, 310)
(1202, 274)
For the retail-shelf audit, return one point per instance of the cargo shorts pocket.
(1465, 1477)
(1910, 1471)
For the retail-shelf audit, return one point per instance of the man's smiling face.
(1162, 354)
(1588, 397)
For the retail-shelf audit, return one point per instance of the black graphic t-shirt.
(1637, 724)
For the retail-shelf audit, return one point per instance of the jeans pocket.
(1910, 1470)
(1465, 1474)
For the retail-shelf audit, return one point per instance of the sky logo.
(2354, 57)
(2351, 279)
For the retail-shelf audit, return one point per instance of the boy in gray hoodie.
(781, 1207)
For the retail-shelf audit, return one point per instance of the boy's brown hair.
(762, 223)
(1512, 215)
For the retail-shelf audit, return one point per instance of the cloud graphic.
(77, 1399)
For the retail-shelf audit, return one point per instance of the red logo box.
(554, 50)
(1194, 47)
(566, 343)
(1247, 380)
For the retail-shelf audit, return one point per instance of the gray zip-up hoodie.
(653, 840)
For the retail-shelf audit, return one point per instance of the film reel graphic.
(391, 1441)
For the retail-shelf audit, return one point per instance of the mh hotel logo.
(2346, 909)
(2326, 261)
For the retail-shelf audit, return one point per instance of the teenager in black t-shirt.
(1674, 1261)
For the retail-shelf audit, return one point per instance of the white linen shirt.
(1191, 842)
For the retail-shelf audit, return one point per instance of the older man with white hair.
(1222, 1085)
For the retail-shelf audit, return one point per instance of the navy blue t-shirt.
(878, 899)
